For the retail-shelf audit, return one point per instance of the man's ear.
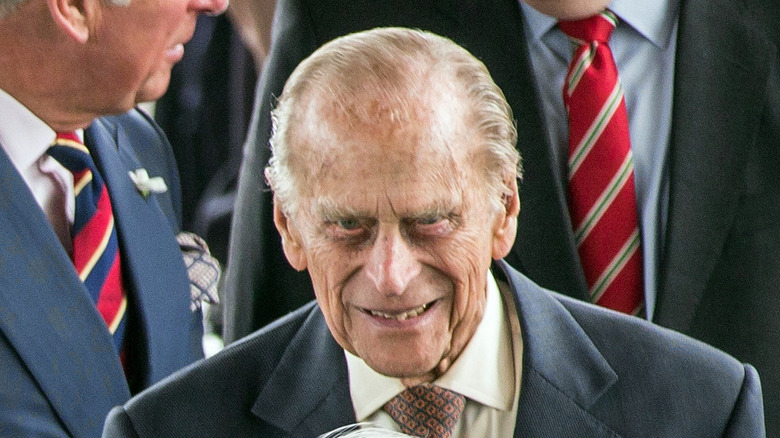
(74, 17)
(505, 228)
(291, 239)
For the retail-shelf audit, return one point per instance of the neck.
(568, 9)
(27, 37)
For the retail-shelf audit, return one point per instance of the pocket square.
(203, 269)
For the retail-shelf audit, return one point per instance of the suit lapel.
(152, 261)
(47, 315)
(556, 392)
(544, 248)
(721, 67)
(308, 393)
(555, 395)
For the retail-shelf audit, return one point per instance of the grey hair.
(8, 6)
(363, 430)
(395, 64)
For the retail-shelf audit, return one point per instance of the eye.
(428, 220)
(431, 226)
(348, 224)
(349, 229)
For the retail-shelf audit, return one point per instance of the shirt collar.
(23, 135)
(478, 379)
(653, 19)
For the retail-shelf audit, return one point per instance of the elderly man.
(395, 183)
(701, 81)
(95, 299)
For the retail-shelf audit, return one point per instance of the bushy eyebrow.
(330, 211)
(436, 210)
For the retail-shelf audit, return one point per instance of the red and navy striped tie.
(602, 199)
(95, 244)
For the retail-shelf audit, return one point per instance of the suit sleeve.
(118, 424)
(747, 419)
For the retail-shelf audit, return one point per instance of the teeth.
(401, 316)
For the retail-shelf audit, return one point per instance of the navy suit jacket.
(587, 372)
(59, 370)
(720, 269)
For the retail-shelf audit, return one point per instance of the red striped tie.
(95, 244)
(602, 201)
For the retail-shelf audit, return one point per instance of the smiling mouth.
(401, 316)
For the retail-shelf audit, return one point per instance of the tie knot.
(595, 28)
(68, 136)
(69, 151)
(426, 410)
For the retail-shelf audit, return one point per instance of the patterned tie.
(426, 410)
(95, 245)
(602, 201)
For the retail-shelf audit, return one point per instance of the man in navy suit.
(395, 179)
(66, 66)
(702, 91)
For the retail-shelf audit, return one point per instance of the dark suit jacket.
(720, 269)
(59, 370)
(587, 372)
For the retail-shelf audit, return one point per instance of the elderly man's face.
(134, 47)
(397, 233)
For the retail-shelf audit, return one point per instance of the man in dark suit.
(395, 179)
(66, 66)
(712, 226)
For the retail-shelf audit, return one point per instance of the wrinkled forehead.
(398, 127)
(373, 154)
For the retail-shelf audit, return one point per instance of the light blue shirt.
(643, 45)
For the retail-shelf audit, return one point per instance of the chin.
(402, 366)
(153, 88)
(410, 373)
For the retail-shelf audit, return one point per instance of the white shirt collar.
(23, 135)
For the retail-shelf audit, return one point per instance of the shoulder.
(255, 355)
(136, 123)
(615, 335)
(641, 351)
(667, 380)
(224, 386)
(617, 366)
(143, 135)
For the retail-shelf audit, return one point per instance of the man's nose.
(210, 7)
(392, 264)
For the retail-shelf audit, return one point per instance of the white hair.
(398, 65)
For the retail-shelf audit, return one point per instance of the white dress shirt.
(25, 139)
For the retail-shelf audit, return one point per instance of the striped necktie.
(95, 244)
(602, 200)
(426, 410)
